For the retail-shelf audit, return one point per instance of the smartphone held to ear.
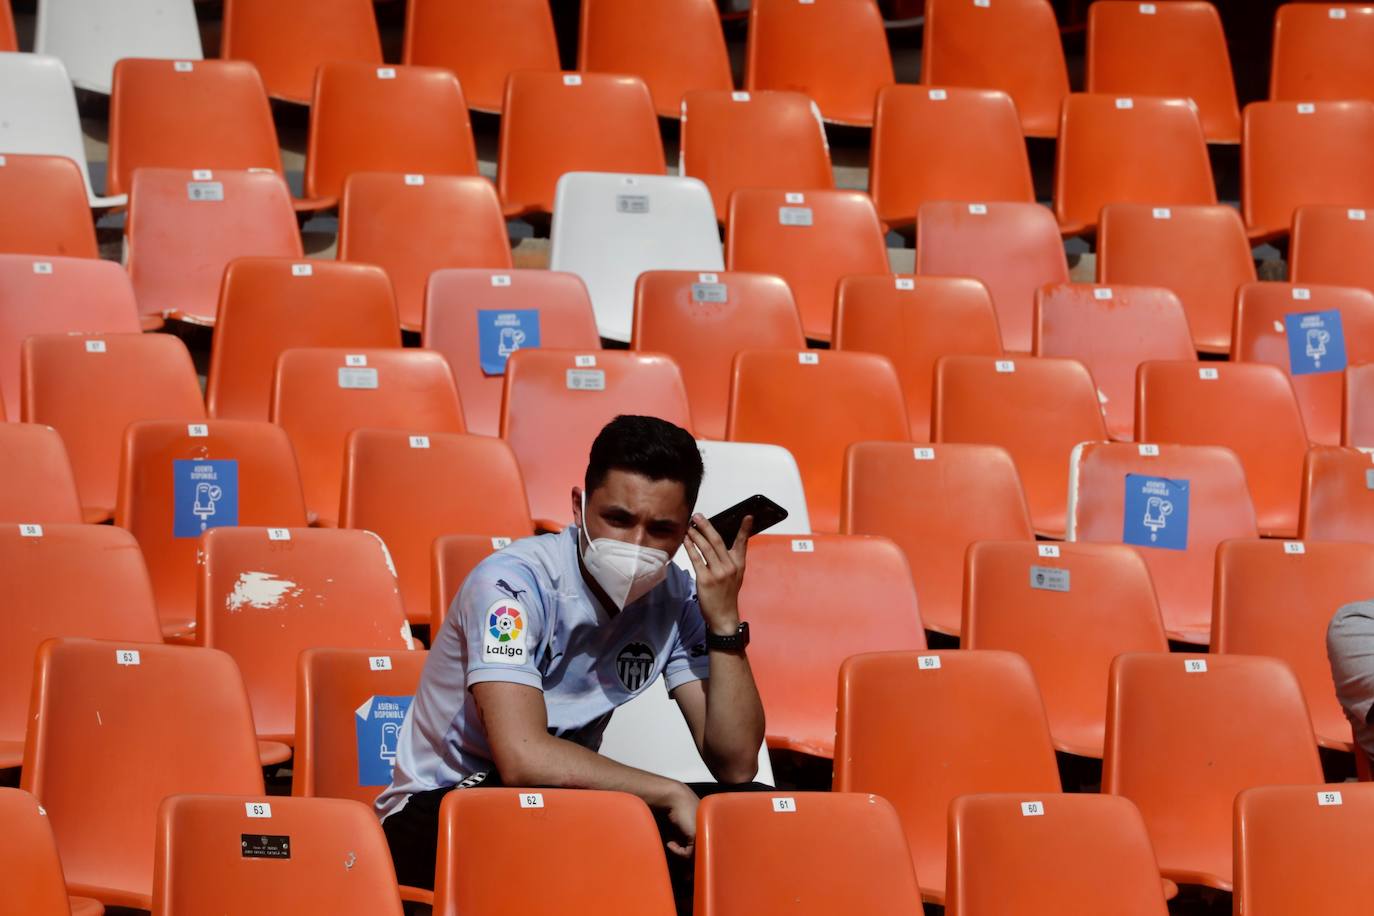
(766, 514)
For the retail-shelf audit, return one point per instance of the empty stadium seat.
(608, 229)
(31, 869)
(452, 557)
(921, 499)
(1223, 405)
(834, 51)
(811, 240)
(1331, 244)
(734, 140)
(270, 305)
(1011, 45)
(184, 228)
(1124, 149)
(1180, 746)
(923, 728)
(1320, 52)
(702, 320)
(129, 376)
(945, 144)
(577, 394)
(1337, 501)
(1111, 330)
(319, 396)
(467, 313)
(1037, 408)
(36, 482)
(90, 36)
(737, 470)
(288, 41)
(50, 192)
(1357, 413)
(1200, 253)
(1170, 50)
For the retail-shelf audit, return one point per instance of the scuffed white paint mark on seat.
(405, 634)
(385, 553)
(260, 590)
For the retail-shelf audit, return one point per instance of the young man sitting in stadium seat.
(1350, 648)
(548, 636)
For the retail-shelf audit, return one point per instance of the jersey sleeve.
(504, 619)
(688, 659)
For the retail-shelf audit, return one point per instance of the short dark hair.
(646, 445)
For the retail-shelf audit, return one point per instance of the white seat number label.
(1195, 666)
(927, 662)
(127, 657)
(785, 805)
(1032, 809)
(531, 800)
(379, 663)
(257, 809)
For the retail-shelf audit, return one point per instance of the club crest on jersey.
(503, 642)
(634, 664)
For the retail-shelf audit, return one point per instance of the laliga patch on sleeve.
(503, 636)
(500, 333)
(378, 726)
(1316, 342)
(205, 495)
(1156, 512)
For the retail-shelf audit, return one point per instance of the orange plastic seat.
(842, 851)
(211, 856)
(29, 864)
(834, 51)
(1321, 51)
(457, 300)
(1011, 45)
(553, 123)
(1294, 154)
(1013, 248)
(812, 240)
(1173, 50)
(919, 497)
(1180, 745)
(184, 228)
(945, 144)
(1218, 507)
(922, 729)
(203, 114)
(733, 140)
(129, 376)
(578, 394)
(1068, 609)
(1357, 413)
(321, 395)
(339, 695)
(1125, 149)
(1331, 244)
(1038, 409)
(1200, 253)
(702, 320)
(793, 589)
(783, 397)
(176, 480)
(1111, 330)
(288, 41)
(36, 482)
(50, 193)
(453, 557)
(94, 701)
(270, 305)
(1337, 502)
(624, 871)
(1216, 405)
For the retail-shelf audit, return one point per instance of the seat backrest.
(1186, 403)
(209, 859)
(270, 305)
(8, 40)
(1180, 746)
(835, 51)
(1357, 407)
(1111, 330)
(1012, 45)
(1172, 50)
(1329, 245)
(50, 193)
(784, 396)
(409, 489)
(736, 140)
(288, 41)
(1128, 149)
(319, 396)
(1068, 609)
(478, 318)
(737, 470)
(31, 869)
(1037, 408)
(184, 228)
(1337, 501)
(93, 701)
(578, 393)
(90, 38)
(922, 728)
(413, 225)
(793, 589)
(945, 144)
(36, 482)
(130, 376)
(1043, 850)
(702, 320)
(452, 558)
(623, 871)
(1320, 52)
(919, 497)
(826, 839)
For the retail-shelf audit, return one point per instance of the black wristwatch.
(732, 643)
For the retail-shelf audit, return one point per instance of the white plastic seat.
(38, 114)
(609, 228)
(88, 36)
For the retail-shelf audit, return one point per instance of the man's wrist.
(723, 624)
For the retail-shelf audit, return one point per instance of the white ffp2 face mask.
(625, 572)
